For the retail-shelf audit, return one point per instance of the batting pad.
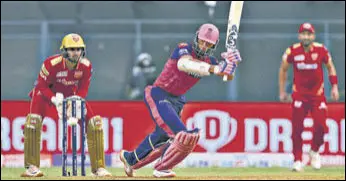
(152, 156)
(183, 144)
(96, 143)
(32, 140)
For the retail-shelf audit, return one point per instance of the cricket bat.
(233, 26)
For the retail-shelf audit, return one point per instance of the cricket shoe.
(127, 167)
(101, 172)
(297, 166)
(164, 173)
(315, 160)
(32, 171)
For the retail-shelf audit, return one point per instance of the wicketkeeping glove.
(57, 101)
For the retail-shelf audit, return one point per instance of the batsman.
(62, 75)
(171, 142)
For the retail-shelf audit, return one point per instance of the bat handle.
(229, 48)
(225, 77)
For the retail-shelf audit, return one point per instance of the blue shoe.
(127, 167)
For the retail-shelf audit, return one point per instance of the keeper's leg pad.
(183, 144)
(152, 156)
(96, 143)
(32, 140)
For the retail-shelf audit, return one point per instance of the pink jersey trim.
(155, 112)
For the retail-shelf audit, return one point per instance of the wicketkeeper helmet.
(72, 40)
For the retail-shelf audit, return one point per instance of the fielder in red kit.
(63, 75)
(307, 58)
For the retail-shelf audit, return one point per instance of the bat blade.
(234, 16)
(233, 24)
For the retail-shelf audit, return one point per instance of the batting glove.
(226, 68)
(232, 56)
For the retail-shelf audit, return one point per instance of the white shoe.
(32, 171)
(315, 160)
(127, 167)
(164, 173)
(297, 166)
(101, 172)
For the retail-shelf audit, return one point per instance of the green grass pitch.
(275, 173)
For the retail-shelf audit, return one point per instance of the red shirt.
(55, 77)
(307, 68)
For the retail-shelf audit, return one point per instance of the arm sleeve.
(45, 80)
(214, 61)
(326, 55)
(83, 86)
(287, 55)
(180, 50)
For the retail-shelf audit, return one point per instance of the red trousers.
(301, 106)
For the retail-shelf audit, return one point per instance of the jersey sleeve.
(180, 50)
(45, 80)
(287, 56)
(83, 85)
(214, 61)
(326, 55)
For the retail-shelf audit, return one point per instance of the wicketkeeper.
(62, 75)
